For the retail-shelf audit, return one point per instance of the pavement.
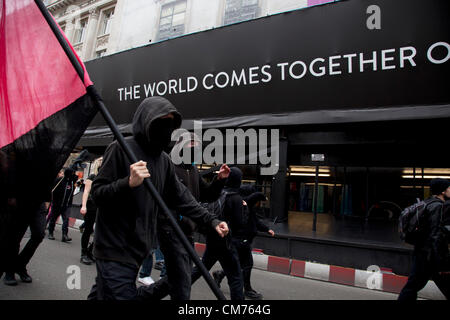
(58, 275)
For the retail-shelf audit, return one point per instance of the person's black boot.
(252, 294)
(85, 257)
(10, 279)
(218, 276)
(51, 236)
(24, 276)
(65, 238)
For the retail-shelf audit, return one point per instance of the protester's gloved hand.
(222, 229)
(138, 172)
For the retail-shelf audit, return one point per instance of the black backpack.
(411, 221)
(216, 207)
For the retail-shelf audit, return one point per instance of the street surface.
(52, 269)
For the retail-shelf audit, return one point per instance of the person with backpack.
(430, 255)
(228, 208)
(242, 238)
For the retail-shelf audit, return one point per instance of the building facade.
(355, 106)
(102, 27)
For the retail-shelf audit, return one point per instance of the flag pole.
(131, 156)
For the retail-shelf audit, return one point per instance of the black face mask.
(160, 133)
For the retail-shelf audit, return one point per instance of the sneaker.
(51, 236)
(86, 260)
(253, 295)
(10, 279)
(24, 276)
(146, 281)
(66, 238)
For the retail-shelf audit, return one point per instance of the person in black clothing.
(61, 202)
(177, 283)
(225, 251)
(242, 239)
(430, 257)
(89, 212)
(127, 216)
(16, 218)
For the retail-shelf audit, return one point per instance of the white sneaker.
(146, 281)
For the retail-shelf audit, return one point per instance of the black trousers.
(117, 281)
(114, 281)
(54, 214)
(37, 224)
(29, 216)
(244, 250)
(178, 264)
(422, 271)
(227, 256)
(89, 221)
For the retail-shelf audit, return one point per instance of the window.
(171, 23)
(240, 10)
(100, 53)
(80, 32)
(105, 26)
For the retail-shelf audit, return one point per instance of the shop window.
(172, 19)
(240, 10)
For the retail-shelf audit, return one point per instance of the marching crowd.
(130, 227)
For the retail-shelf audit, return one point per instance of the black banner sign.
(355, 60)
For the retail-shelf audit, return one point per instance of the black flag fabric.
(44, 110)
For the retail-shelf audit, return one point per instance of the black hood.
(234, 179)
(148, 111)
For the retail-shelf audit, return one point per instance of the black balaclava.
(234, 179)
(150, 129)
(160, 133)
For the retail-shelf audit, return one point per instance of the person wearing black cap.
(430, 255)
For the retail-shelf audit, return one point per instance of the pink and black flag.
(44, 104)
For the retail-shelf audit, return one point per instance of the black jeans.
(422, 271)
(114, 281)
(178, 264)
(37, 224)
(89, 220)
(227, 255)
(54, 214)
(244, 250)
(29, 216)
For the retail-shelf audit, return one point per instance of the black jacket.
(62, 195)
(434, 242)
(127, 218)
(254, 224)
(200, 189)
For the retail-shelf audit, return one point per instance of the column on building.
(91, 35)
(278, 206)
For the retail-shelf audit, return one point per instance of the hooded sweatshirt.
(127, 217)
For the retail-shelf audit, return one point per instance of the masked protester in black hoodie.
(223, 250)
(128, 217)
(177, 283)
(244, 231)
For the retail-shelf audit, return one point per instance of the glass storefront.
(355, 201)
